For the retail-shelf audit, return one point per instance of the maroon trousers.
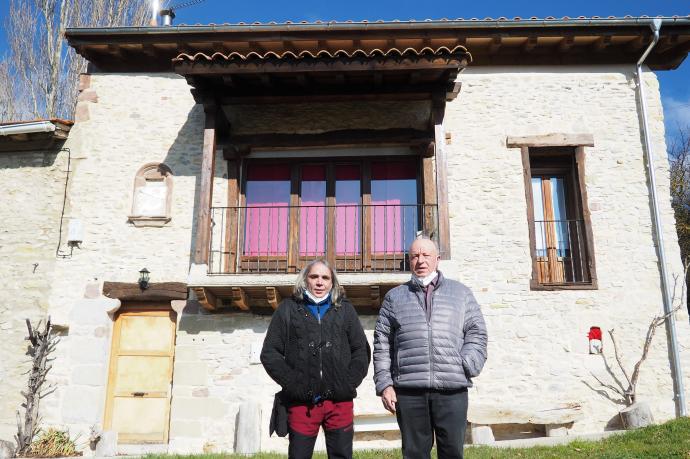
(305, 420)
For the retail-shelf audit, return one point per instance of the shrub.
(53, 443)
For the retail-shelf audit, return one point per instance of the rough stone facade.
(538, 346)
(32, 186)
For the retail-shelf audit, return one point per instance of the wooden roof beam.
(601, 43)
(346, 137)
(115, 51)
(666, 42)
(495, 44)
(414, 77)
(638, 43)
(265, 80)
(378, 79)
(530, 44)
(566, 43)
(149, 50)
(302, 80)
(320, 65)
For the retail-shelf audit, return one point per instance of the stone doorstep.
(482, 434)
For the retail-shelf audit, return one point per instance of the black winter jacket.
(328, 359)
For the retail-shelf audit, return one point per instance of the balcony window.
(360, 214)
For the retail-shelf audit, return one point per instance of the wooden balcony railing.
(282, 239)
(561, 252)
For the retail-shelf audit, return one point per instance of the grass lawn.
(670, 440)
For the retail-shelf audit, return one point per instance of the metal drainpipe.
(668, 305)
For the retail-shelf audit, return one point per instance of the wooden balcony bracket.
(240, 298)
(206, 298)
(273, 297)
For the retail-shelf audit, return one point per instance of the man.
(430, 340)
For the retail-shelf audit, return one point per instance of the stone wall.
(32, 187)
(123, 122)
(538, 345)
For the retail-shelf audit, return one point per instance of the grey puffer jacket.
(442, 353)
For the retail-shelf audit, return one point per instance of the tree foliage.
(679, 156)
(39, 73)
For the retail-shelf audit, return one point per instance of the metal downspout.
(677, 373)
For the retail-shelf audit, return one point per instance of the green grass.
(670, 440)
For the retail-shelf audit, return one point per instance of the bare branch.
(41, 72)
(618, 359)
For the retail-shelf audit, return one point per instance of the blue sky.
(675, 85)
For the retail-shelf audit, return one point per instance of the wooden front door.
(140, 375)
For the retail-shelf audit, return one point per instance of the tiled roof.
(487, 19)
(359, 52)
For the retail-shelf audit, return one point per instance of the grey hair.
(301, 284)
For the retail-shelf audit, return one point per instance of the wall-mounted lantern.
(144, 279)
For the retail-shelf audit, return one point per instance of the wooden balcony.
(283, 239)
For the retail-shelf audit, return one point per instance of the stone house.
(221, 158)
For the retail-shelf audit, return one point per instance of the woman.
(316, 350)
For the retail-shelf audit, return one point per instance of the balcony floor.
(260, 293)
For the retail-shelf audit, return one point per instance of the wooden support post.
(232, 218)
(293, 261)
(438, 111)
(330, 214)
(367, 213)
(240, 298)
(208, 163)
(206, 298)
(273, 297)
(429, 183)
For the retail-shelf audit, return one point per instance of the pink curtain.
(267, 213)
(347, 213)
(394, 205)
(312, 213)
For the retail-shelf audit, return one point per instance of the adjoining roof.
(33, 135)
(499, 41)
(421, 73)
(323, 53)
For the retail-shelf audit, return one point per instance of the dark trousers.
(423, 413)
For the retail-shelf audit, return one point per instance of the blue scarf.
(319, 309)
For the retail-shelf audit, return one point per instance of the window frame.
(425, 192)
(577, 203)
(152, 172)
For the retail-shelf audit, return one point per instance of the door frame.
(137, 308)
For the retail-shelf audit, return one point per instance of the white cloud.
(676, 115)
